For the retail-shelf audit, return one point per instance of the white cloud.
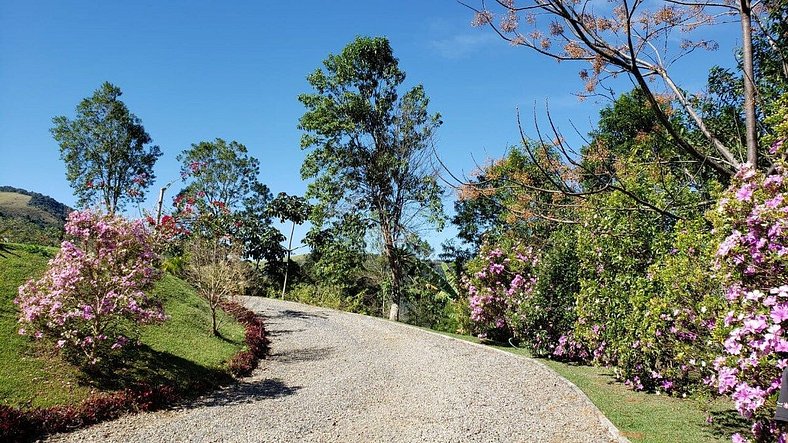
(462, 45)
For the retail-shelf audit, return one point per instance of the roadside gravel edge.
(611, 428)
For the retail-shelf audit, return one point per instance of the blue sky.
(197, 70)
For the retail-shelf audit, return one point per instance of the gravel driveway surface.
(339, 377)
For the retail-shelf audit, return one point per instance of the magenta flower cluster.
(94, 288)
(753, 257)
(503, 279)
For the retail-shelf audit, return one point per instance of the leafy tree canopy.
(106, 151)
(370, 147)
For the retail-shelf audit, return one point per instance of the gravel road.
(339, 377)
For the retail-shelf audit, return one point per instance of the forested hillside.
(30, 217)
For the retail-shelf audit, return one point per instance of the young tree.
(370, 149)
(105, 151)
(216, 271)
(225, 198)
(293, 208)
(253, 228)
(224, 195)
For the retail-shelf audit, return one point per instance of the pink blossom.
(774, 202)
(729, 243)
(781, 346)
(732, 346)
(776, 146)
(773, 181)
(756, 324)
(102, 252)
(726, 379)
(748, 398)
(737, 438)
(745, 192)
(779, 313)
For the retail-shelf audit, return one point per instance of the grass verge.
(180, 352)
(640, 416)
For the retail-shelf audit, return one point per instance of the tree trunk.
(749, 83)
(287, 262)
(394, 311)
(395, 272)
(159, 204)
(213, 320)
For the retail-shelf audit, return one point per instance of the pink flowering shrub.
(501, 279)
(92, 297)
(752, 222)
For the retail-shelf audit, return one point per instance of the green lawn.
(644, 417)
(181, 351)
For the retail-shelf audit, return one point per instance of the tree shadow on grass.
(146, 365)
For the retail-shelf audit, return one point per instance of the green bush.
(614, 250)
(329, 296)
(672, 325)
(550, 313)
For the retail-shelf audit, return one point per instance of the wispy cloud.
(462, 45)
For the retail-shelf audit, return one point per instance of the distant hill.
(30, 217)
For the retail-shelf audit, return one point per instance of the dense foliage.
(369, 142)
(108, 156)
(752, 257)
(629, 272)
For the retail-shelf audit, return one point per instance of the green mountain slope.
(30, 217)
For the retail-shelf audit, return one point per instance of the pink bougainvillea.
(752, 222)
(93, 293)
(500, 281)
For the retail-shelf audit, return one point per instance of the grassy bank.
(181, 352)
(644, 417)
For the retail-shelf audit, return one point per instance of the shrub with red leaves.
(23, 425)
(148, 398)
(244, 362)
(14, 424)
